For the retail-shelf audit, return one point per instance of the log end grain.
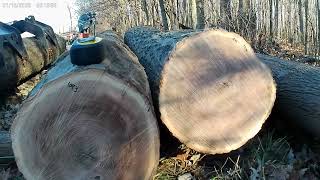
(215, 94)
(86, 125)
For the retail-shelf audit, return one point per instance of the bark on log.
(212, 92)
(92, 122)
(6, 153)
(14, 70)
(298, 94)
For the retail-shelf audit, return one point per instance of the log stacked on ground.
(212, 92)
(14, 70)
(92, 122)
(298, 94)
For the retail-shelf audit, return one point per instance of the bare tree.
(164, 15)
(271, 17)
(200, 14)
(276, 18)
(318, 11)
(225, 13)
(306, 6)
(145, 9)
(293, 21)
(193, 13)
(301, 20)
(70, 16)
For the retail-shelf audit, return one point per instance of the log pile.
(208, 87)
(211, 91)
(92, 122)
(15, 70)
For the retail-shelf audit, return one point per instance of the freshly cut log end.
(214, 93)
(86, 125)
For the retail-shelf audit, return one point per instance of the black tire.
(87, 54)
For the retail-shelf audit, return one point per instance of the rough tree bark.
(211, 91)
(298, 91)
(93, 122)
(6, 153)
(14, 70)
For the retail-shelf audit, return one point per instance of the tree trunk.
(306, 29)
(301, 27)
(200, 14)
(154, 17)
(92, 122)
(164, 15)
(14, 69)
(318, 18)
(241, 18)
(193, 13)
(225, 13)
(145, 9)
(298, 92)
(211, 91)
(271, 18)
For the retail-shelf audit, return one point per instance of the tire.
(83, 54)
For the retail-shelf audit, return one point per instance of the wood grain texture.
(212, 92)
(14, 70)
(298, 94)
(93, 122)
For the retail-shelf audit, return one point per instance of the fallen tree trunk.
(212, 92)
(298, 94)
(89, 122)
(14, 70)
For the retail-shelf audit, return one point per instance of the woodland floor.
(275, 153)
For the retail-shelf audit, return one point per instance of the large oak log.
(298, 94)
(14, 69)
(212, 92)
(92, 122)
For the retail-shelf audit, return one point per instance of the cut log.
(298, 94)
(14, 70)
(89, 122)
(212, 92)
